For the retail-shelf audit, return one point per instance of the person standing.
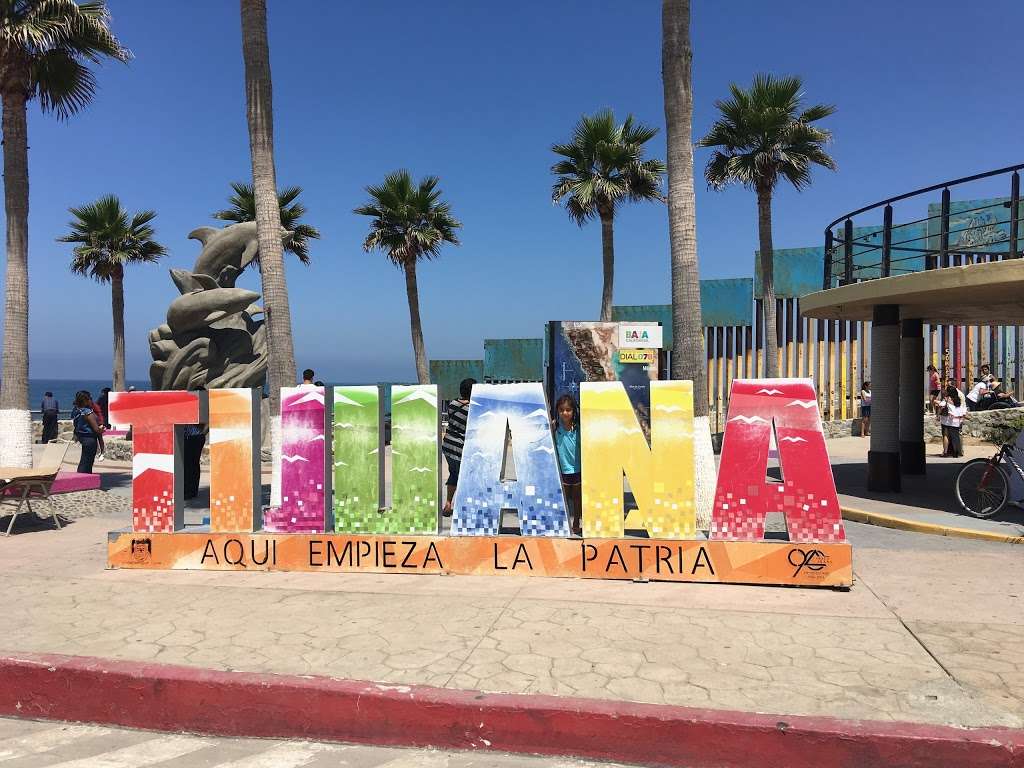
(454, 439)
(194, 438)
(567, 447)
(934, 388)
(865, 409)
(104, 403)
(307, 378)
(50, 409)
(87, 430)
(98, 412)
(952, 409)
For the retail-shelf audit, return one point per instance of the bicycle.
(983, 485)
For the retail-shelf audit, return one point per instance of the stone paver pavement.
(931, 632)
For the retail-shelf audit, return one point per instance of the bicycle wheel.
(982, 487)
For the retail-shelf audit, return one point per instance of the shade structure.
(976, 294)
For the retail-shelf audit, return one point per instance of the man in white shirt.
(977, 395)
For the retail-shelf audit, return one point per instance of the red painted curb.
(172, 698)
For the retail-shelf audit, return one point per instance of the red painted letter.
(808, 494)
(156, 507)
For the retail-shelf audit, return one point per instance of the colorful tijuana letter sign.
(333, 472)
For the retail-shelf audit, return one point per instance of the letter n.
(157, 476)
(660, 476)
(807, 495)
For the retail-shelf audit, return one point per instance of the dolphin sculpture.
(197, 310)
(227, 251)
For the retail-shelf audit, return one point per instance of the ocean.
(64, 390)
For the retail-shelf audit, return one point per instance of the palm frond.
(763, 134)
(409, 221)
(242, 208)
(107, 238)
(604, 164)
(50, 44)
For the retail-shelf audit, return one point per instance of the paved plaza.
(931, 632)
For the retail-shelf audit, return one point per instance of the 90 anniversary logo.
(811, 559)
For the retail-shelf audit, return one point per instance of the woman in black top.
(87, 430)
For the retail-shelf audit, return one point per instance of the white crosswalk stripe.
(141, 754)
(287, 755)
(45, 744)
(43, 741)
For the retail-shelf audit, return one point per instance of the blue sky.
(476, 93)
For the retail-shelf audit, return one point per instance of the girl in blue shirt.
(567, 447)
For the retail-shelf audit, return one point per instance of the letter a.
(536, 492)
(808, 494)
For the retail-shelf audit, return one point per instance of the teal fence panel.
(513, 360)
(725, 303)
(447, 374)
(796, 271)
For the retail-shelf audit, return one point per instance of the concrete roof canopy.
(976, 294)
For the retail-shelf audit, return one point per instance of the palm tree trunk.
(771, 331)
(607, 263)
(117, 304)
(15, 419)
(688, 358)
(260, 114)
(415, 325)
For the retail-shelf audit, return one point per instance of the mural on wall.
(660, 475)
(414, 460)
(807, 493)
(357, 460)
(302, 463)
(235, 491)
(156, 501)
(974, 225)
(588, 351)
(536, 491)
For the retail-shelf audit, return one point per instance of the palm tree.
(603, 167)
(260, 114)
(410, 222)
(45, 47)
(243, 208)
(763, 135)
(687, 330)
(108, 239)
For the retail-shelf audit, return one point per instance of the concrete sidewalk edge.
(174, 698)
(902, 524)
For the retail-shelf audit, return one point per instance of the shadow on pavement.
(934, 491)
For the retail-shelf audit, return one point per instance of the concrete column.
(884, 455)
(912, 398)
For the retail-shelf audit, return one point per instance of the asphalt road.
(30, 744)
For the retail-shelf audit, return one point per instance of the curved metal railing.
(952, 235)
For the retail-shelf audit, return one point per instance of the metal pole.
(827, 280)
(887, 241)
(944, 230)
(848, 251)
(1014, 213)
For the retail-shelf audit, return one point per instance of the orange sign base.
(727, 562)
